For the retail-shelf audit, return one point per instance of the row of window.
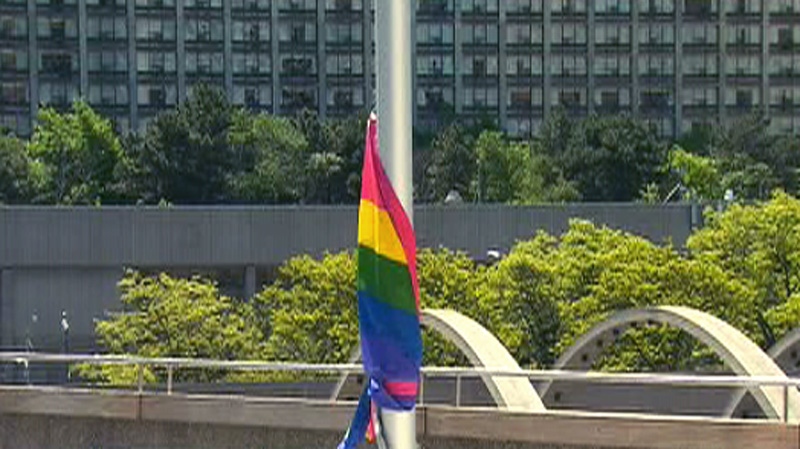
(479, 6)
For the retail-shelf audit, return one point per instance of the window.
(701, 7)
(656, 6)
(156, 62)
(346, 97)
(344, 5)
(612, 65)
(700, 34)
(657, 34)
(57, 28)
(569, 34)
(108, 94)
(479, 6)
(483, 33)
(612, 6)
(656, 65)
(526, 65)
(612, 34)
(345, 65)
(480, 65)
(700, 96)
(612, 98)
(298, 32)
(298, 65)
(435, 97)
(157, 94)
(299, 97)
(434, 6)
(14, 92)
(253, 96)
(204, 30)
(700, 65)
(433, 33)
(569, 65)
(525, 34)
(106, 28)
(108, 61)
(784, 6)
(743, 65)
(251, 31)
(569, 6)
(13, 60)
(570, 98)
(524, 6)
(297, 5)
(251, 4)
(742, 97)
(344, 33)
(256, 63)
(57, 62)
(152, 29)
(13, 27)
(204, 63)
(744, 35)
(525, 98)
(435, 65)
(742, 6)
(655, 99)
(480, 97)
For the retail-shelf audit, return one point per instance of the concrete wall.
(54, 258)
(50, 418)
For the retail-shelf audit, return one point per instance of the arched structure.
(786, 354)
(738, 352)
(482, 349)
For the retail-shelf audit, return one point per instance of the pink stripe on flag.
(401, 388)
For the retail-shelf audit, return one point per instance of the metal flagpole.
(393, 63)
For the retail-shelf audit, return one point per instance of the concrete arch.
(482, 349)
(786, 354)
(739, 353)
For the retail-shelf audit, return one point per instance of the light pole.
(394, 81)
(65, 340)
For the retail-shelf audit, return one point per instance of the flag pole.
(394, 99)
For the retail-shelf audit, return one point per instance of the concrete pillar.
(276, 63)
(723, 77)
(133, 91)
(227, 26)
(458, 58)
(590, 39)
(83, 51)
(765, 58)
(678, 66)
(250, 282)
(33, 61)
(180, 40)
(635, 58)
(322, 64)
(502, 39)
(369, 37)
(547, 40)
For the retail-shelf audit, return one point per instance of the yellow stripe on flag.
(376, 231)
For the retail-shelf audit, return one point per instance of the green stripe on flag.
(385, 280)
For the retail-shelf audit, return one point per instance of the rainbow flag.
(388, 297)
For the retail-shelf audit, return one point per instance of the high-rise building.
(677, 63)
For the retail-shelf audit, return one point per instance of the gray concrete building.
(71, 259)
(676, 63)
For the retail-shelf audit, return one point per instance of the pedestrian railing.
(171, 365)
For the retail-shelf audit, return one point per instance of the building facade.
(677, 63)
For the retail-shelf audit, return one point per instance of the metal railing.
(457, 373)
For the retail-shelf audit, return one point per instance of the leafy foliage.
(80, 156)
(16, 171)
(167, 317)
(743, 268)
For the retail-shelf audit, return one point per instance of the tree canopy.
(743, 267)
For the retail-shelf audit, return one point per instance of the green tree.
(310, 311)
(168, 317)
(699, 174)
(80, 155)
(761, 246)
(452, 166)
(272, 157)
(186, 156)
(610, 158)
(16, 183)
